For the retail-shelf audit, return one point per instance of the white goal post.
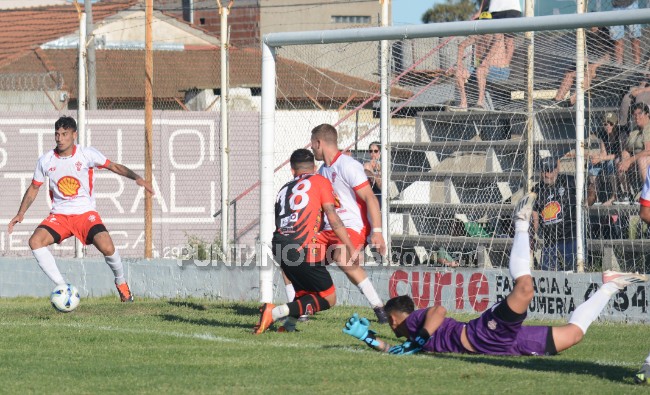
(272, 42)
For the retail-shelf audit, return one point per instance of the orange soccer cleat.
(266, 318)
(125, 292)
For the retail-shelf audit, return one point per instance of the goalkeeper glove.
(405, 348)
(359, 328)
(411, 347)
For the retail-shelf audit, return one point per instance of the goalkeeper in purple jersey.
(499, 330)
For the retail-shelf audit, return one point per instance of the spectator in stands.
(617, 33)
(373, 169)
(555, 212)
(637, 94)
(636, 156)
(599, 49)
(605, 162)
(493, 67)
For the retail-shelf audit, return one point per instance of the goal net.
(465, 143)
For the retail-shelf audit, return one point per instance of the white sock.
(291, 292)
(588, 312)
(47, 263)
(279, 312)
(366, 288)
(647, 360)
(520, 252)
(115, 263)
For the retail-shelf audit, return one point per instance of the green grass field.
(198, 346)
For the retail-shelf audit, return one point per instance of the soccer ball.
(65, 298)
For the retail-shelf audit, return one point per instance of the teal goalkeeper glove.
(406, 348)
(359, 329)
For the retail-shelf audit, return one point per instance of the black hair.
(302, 159)
(67, 123)
(641, 106)
(402, 304)
(376, 143)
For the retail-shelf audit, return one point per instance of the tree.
(451, 11)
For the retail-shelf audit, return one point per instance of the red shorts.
(328, 238)
(84, 226)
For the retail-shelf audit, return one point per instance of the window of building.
(352, 19)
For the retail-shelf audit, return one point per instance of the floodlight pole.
(580, 138)
(148, 126)
(81, 105)
(225, 150)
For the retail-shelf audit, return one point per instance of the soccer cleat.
(266, 318)
(622, 280)
(303, 318)
(524, 208)
(643, 375)
(382, 318)
(125, 292)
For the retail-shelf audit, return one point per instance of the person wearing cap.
(636, 156)
(554, 215)
(605, 161)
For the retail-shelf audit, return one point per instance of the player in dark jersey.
(498, 330)
(299, 210)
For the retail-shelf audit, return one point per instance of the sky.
(409, 12)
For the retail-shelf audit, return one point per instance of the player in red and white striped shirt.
(71, 172)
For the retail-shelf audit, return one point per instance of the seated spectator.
(493, 67)
(617, 33)
(637, 94)
(604, 162)
(373, 169)
(635, 158)
(599, 49)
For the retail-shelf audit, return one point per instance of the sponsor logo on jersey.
(551, 211)
(92, 218)
(69, 186)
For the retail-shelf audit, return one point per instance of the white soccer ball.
(65, 298)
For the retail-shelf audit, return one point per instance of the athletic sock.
(291, 292)
(47, 263)
(279, 312)
(647, 360)
(520, 252)
(588, 312)
(307, 304)
(115, 263)
(367, 289)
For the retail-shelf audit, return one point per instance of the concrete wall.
(463, 290)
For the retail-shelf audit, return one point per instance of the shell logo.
(69, 186)
(551, 211)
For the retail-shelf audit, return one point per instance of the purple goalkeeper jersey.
(488, 334)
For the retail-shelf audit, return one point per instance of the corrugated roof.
(120, 74)
(26, 28)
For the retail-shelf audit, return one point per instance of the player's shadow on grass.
(246, 310)
(191, 305)
(202, 321)
(549, 364)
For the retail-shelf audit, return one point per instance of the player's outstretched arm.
(128, 173)
(374, 214)
(359, 328)
(28, 199)
(339, 230)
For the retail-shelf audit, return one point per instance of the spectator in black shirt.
(604, 162)
(555, 212)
